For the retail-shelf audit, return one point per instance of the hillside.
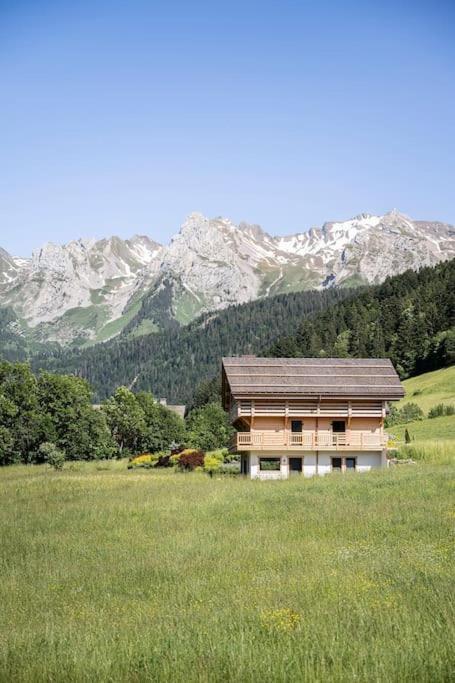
(398, 319)
(174, 362)
(409, 319)
(433, 430)
(429, 389)
(90, 290)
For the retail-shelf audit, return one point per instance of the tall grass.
(440, 452)
(116, 575)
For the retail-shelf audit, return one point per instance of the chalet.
(308, 415)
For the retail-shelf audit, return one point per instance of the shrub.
(164, 459)
(221, 461)
(232, 467)
(52, 455)
(213, 462)
(411, 412)
(408, 413)
(174, 458)
(441, 410)
(146, 460)
(189, 459)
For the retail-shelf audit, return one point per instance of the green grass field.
(430, 389)
(427, 391)
(116, 575)
(436, 429)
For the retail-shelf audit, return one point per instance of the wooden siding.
(260, 407)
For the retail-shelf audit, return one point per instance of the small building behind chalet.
(307, 416)
(177, 409)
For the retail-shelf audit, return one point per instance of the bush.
(213, 461)
(232, 467)
(408, 413)
(164, 459)
(221, 461)
(145, 460)
(441, 410)
(189, 459)
(52, 455)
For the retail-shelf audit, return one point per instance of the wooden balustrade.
(305, 408)
(309, 440)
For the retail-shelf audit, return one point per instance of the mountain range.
(88, 290)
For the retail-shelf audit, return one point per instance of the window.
(350, 463)
(338, 426)
(336, 463)
(269, 464)
(296, 426)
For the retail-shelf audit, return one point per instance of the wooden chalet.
(309, 415)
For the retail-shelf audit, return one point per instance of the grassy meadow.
(117, 575)
(434, 430)
(429, 389)
(433, 440)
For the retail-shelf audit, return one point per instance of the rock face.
(89, 290)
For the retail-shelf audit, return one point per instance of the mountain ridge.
(90, 290)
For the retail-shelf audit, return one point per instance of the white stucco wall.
(368, 461)
(365, 462)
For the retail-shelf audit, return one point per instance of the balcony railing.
(309, 440)
(309, 408)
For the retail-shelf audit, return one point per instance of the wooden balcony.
(309, 408)
(309, 441)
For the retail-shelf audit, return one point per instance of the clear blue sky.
(123, 117)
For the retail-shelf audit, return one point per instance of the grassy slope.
(427, 391)
(439, 428)
(138, 576)
(430, 389)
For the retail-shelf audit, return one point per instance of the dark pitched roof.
(249, 376)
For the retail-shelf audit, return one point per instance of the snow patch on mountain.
(208, 265)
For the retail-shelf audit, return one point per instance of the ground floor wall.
(281, 465)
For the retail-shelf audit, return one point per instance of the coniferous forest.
(172, 363)
(409, 318)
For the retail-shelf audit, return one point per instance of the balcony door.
(296, 432)
(339, 432)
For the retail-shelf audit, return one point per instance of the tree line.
(51, 417)
(172, 363)
(410, 319)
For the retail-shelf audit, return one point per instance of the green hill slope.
(428, 390)
(436, 429)
(431, 388)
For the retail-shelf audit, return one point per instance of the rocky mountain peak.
(79, 289)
